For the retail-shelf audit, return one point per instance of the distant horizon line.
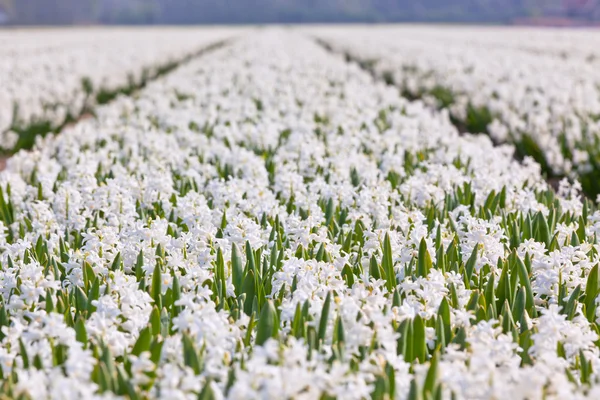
(546, 22)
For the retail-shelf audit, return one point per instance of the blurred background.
(93, 12)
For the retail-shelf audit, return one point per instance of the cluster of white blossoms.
(539, 90)
(51, 76)
(270, 222)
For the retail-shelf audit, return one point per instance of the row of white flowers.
(269, 222)
(51, 75)
(537, 89)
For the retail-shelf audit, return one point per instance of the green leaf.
(508, 323)
(340, 333)
(125, 385)
(526, 282)
(388, 264)
(157, 285)
(156, 350)
(424, 263)
(571, 305)
(268, 325)
(250, 264)
(139, 271)
(519, 304)
(403, 339)
(23, 353)
(419, 339)
(591, 293)
(503, 291)
(104, 378)
(81, 299)
(237, 270)
(206, 393)
(155, 321)
(176, 289)
(116, 264)
(432, 376)
(329, 211)
(324, 318)
(248, 289)
(542, 231)
(444, 313)
(374, 268)
(190, 355)
(414, 393)
(80, 332)
(440, 332)
(470, 266)
(297, 322)
(93, 294)
(143, 342)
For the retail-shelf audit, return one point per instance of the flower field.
(536, 89)
(271, 221)
(52, 82)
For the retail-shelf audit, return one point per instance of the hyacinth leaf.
(541, 229)
(388, 264)
(518, 307)
(117, 263)
(424, 264)
(414, 393)
(267, 323)
(592, 289)
(419, 339)
(24, 354)
(206, 393)
(403, 343)
(143, 342)
(93, 295)
(88, 275)
(375, 269)
(525, 281)
(5, 209)
(190, 355)
(248, 337)
(156, 287)
(220, 280)
(324, 318)
(430, 384)
(248, 289)
(125, 385)
(298, 322)
(237, 269)
(250, 259)
(81, 332)
(508, 322)
(176, 294)
(440, 332)
(470, 266)
(139, 264)
(81, 300)
(570, 306)
(339, 332)
(155, 323)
